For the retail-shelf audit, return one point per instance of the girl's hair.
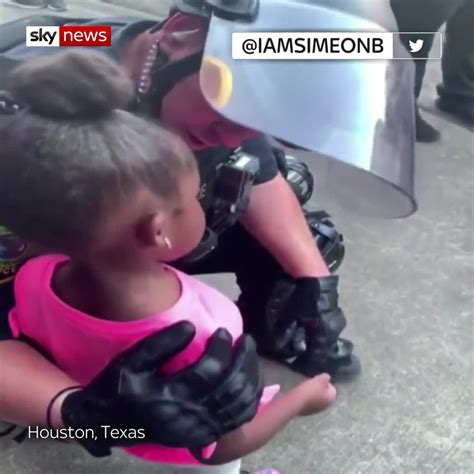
(70, 153)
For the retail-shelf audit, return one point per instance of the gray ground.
(407, 291)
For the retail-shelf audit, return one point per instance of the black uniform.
(457, 89)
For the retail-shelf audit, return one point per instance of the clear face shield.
(355, 117)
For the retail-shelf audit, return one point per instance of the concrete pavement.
(407, 290)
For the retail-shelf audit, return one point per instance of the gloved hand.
(295, 305)
(190, 409)
(307, 313)
(307, 326)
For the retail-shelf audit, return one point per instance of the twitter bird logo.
(416, 46)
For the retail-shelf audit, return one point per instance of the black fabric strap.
(132, 30)
(164, 76)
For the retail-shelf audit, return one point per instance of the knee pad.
(297, 174)
(300, 179)
(329, 241)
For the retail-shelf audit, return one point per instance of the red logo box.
(85, 36)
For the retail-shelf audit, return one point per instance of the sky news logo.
(57, 36)
(336, 45)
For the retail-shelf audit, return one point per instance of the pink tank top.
(82, 345)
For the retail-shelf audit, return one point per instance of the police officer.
(289, 298)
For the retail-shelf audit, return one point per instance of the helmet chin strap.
(206, 246)
(232, 10)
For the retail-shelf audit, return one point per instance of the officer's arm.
(28, 382)
(285, 234)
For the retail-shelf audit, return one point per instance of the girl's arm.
(308, 398)
(259, 431)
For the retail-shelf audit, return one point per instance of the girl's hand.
(316, 394)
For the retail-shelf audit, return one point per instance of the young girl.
(111, 198)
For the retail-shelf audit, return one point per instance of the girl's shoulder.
(207, 304)
(197, 287)
(35, 271)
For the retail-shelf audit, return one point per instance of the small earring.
(167, 243)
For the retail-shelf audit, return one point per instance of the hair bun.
(72, 84)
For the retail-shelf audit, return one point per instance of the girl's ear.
(149, 231)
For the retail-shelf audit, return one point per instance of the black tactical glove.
(293, 309)
(190, 409)
(307, 322)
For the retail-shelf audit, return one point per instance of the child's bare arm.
(260, 430)
(308, 398)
